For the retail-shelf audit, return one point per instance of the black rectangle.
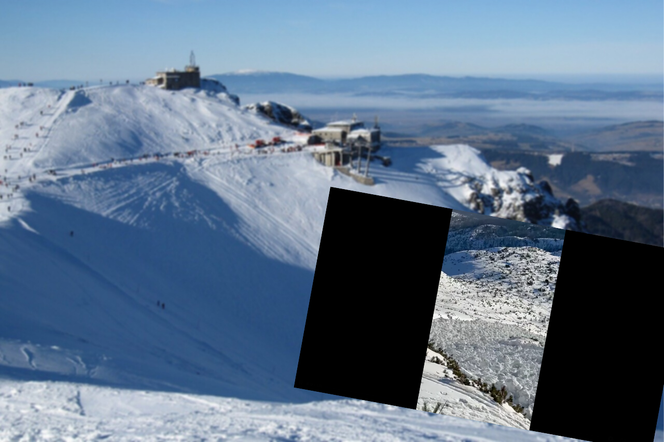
(372, 301)
(602, 374)
(372, 298)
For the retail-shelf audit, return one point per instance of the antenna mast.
(192, 59)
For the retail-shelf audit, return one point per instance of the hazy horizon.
(131, 38)
(631, 79)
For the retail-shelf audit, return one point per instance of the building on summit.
(175, 80)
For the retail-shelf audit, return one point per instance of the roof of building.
(324, 148)
(345, 123)
(175, 71)
(328, 129)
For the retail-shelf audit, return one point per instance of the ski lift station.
(350, 132)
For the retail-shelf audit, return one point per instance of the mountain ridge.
(427, 86)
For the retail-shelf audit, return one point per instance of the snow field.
(67, 411)
(492, 313)
(512, 285)
(497, 353)
(226, 237)
(441, 392)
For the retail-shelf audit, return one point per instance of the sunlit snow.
(155, 271)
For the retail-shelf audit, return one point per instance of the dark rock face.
(572, 209)
(535, 209)
(626, 221)
(546, 187)
(281, 114)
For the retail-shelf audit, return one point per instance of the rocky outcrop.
(464, 172)
(281, 113)
(521, 199)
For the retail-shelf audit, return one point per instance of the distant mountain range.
(634, 136)
(588, 177)
(9, 83)
(418, 86)
(432, 86)
(628, 137)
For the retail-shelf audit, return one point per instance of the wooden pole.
(359, 160)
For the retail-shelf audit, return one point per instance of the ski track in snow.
(244, 203)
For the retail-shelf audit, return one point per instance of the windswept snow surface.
(441, 388)
(67, 411)
(510, 285)
(492, 315)
(118, 199)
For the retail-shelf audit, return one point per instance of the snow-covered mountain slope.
(510, 285)
(144, 245)
(67, 411)
(96, 124)
(226, 237)
(442, 392)
(492, 314)
(500, 354)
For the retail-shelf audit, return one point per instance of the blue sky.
(119, 39)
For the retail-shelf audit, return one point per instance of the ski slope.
(68, 411)
(117, 199)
